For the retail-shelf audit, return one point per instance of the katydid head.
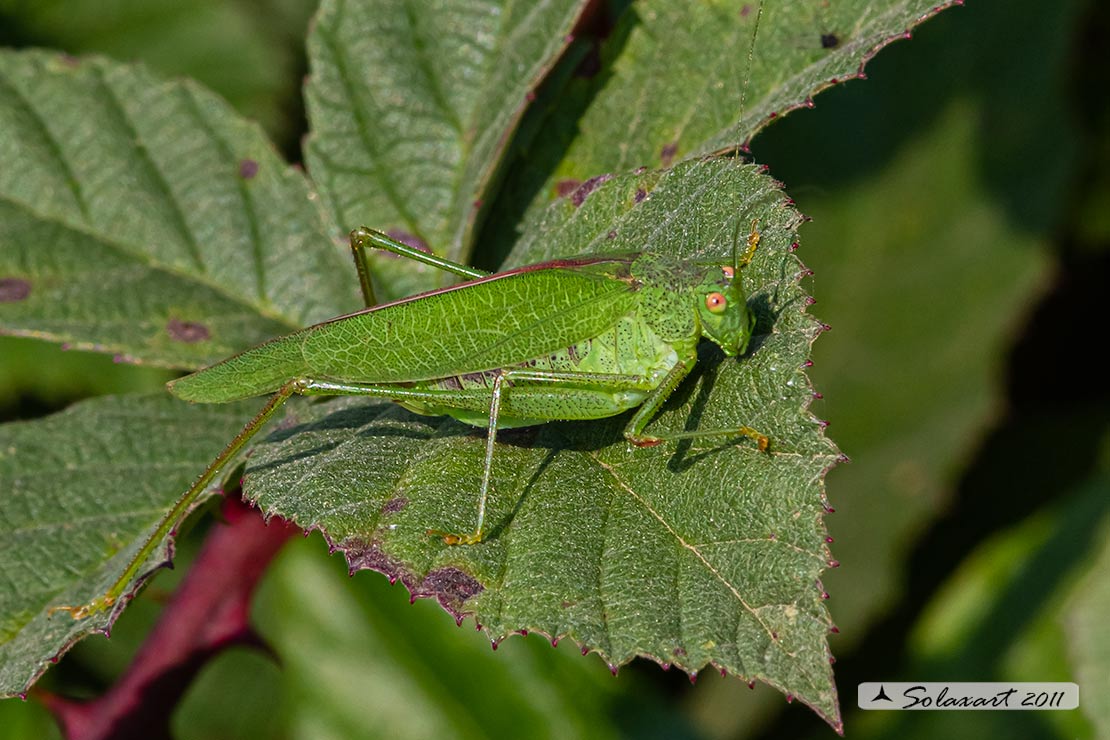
(723, 310)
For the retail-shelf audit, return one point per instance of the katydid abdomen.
(629, 348)
(473, 327)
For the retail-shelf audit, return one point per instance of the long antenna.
(748, 73)
(736, 248)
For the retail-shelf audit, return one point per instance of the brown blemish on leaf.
(563, 188)
(829, 41)
(14, 290)
(584, 190)
(189, 332)
(367, 556)
(248, 168)
(395, 504)
(451, 587)
(666, 154)
(410, 240)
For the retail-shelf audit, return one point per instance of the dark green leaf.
(145, 218)
(81, 491)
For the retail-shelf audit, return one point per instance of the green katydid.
(569, 339)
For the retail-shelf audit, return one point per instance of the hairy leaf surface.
(145, 218)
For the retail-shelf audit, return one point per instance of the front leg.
(634, 432)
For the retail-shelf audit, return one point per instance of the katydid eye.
(728, 271)
(716, 302)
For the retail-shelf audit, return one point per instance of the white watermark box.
(954, 695)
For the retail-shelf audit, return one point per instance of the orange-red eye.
(728, 271)
(716, 302)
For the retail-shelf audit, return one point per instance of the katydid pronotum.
(570, 339)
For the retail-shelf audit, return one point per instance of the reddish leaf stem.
(208, 613)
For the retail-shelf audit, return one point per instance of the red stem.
(209, 612)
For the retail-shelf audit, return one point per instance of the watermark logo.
(896, 695)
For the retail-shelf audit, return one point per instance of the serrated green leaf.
(681, 80)
(145, 218)
(81, 490)
(690, 554)
(411, 105)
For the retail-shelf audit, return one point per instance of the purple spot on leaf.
(829, 41)
(451, 587)
(641, 194)
(395, 504)
(248, 168)
(189, 332)
(584, 190)
(563, 188)
(14, 290)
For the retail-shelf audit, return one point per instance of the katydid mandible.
(570, 339)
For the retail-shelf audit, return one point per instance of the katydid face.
(722, 311)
